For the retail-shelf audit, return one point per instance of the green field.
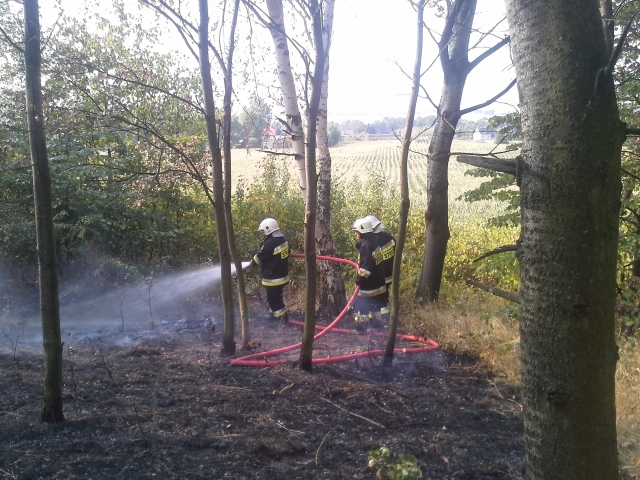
(360, 159)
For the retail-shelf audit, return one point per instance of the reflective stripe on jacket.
(273, 259)
(370, 274)
(387, 245)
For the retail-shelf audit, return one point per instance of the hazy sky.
(371, 36)
(373, 40)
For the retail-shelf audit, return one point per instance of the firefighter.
(370, 274)
(387, 245)
(273, 259)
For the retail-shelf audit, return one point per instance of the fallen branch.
(495, 291)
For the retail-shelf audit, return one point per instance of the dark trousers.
(370, 305)
(275, 300)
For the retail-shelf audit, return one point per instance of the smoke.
(154, 306)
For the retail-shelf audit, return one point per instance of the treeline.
(391, 125)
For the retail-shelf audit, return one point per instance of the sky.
(373, 42)
(373, 38)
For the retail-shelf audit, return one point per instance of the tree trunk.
(288, 87)
(228, 341)
(226, 145)
(332, 296)
(405, 202)
(570, 196)
(454, 47)
(47, 264)
(306, 351)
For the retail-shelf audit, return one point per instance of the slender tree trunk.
(306, 351)
(332, 295)
(454, 48)
(228, 341)
(405, 202)
(226, 145)
(570, 194)
(47, 264)
(606, 12)
(288, 87)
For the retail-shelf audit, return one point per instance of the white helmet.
(375, 223)
(362, 225)
(268, 226)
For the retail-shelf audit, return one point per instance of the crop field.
(359, 160)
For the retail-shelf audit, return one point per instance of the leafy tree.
(334, 134)
(254, 120)
(628, 90)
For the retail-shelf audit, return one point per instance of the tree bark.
(226, 146)
(570, 196)
(228, 341)
(405, 202)
(454, 48)
(306, 351)
(332, 295)
(288, 88)
(52, 411)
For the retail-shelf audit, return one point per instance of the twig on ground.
(8, 474)
(288, 429)
(351, 413)
(322, 442)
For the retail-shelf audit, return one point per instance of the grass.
(477, 323)
(628, 406)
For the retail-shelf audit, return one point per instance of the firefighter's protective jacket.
(370, 274)
(387, 245)
(273, 259)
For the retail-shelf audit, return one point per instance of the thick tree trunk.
(454, 47)
(288, 87)
(47, 264)
(332, 295)
(306, 351)
(405, 202)
(228, 341)
(570, 196)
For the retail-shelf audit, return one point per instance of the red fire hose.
(252, 360)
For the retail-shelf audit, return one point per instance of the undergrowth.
(487, 327)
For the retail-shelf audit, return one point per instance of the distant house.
(483, 135)
(271, 138)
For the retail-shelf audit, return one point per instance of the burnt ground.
(171, 407)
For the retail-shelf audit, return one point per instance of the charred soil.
(171, 407)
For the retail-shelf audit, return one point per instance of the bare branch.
(497, 164)
(490, 101)
(473, 64)
(180, 28)
(46, 42)
(616, 53)
(495, 291)
(179, 18)
(284, 154)
(504, 248)
(627, 172)
(10, 41)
